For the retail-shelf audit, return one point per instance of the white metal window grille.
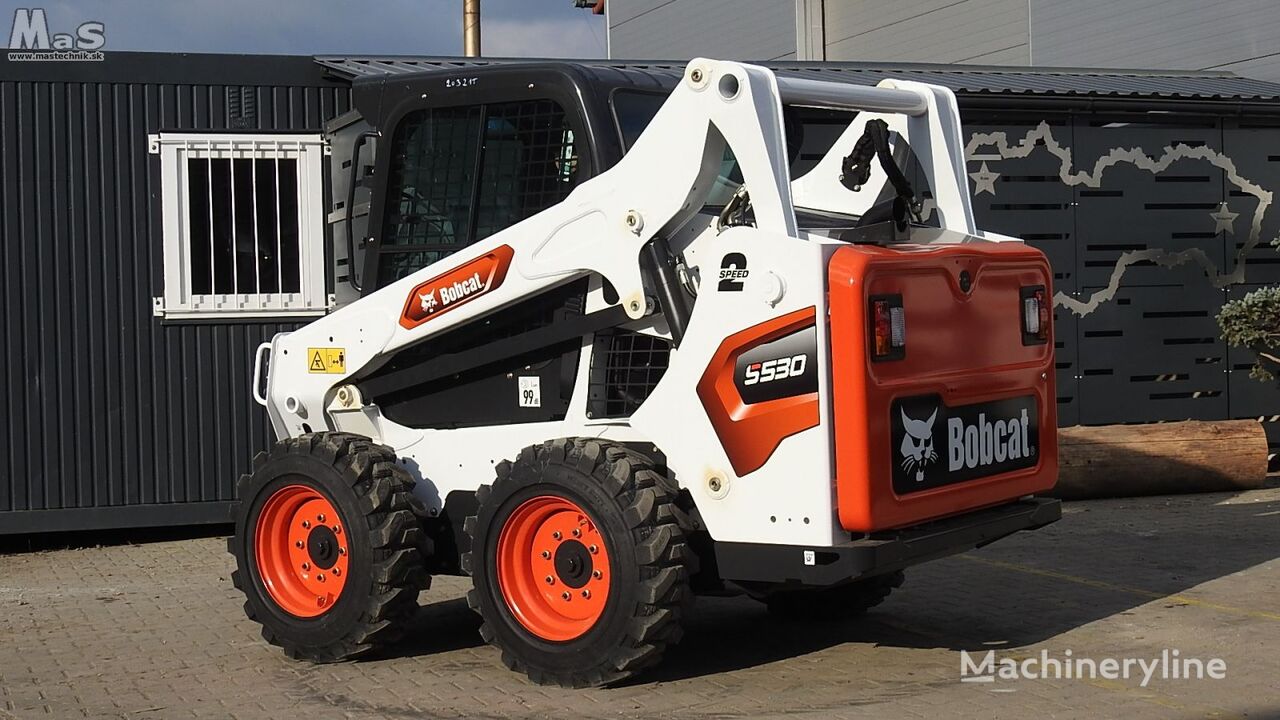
(243, 225)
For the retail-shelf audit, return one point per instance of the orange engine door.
(962, 415)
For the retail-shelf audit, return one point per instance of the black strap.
(856, 168)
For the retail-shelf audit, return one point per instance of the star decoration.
(984, 180)
(1224, 219)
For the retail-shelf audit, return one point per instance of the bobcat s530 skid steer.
(625, 338)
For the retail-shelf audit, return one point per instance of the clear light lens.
(1031, 315)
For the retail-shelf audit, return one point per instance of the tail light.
(888, 328)
(1035, 315)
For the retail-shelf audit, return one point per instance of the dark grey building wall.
(110, 416)
(683, 29)
(1152, 352)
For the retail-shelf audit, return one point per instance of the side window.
(634, 110)
(243, 225)
(461, 174)
(530, 163)
(429, 196)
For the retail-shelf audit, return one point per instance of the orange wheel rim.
(553, 568)
(300, 544)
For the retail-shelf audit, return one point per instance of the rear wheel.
(835, 603)
(329, 551)
(579, 565)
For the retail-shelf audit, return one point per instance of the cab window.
(461, 174)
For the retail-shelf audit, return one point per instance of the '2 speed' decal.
(733, 271)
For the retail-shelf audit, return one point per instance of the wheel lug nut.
(551, 580)
(546, 555)
(342, 551)
(320, 517)
(337, 572)
(586, 593)
(298, 544)
(596, 574)
(306, 524)
(593, 549)
(306, 566)
(556, 534)
(566, 595)
(320, 577)
(577, 532)
(337, 529)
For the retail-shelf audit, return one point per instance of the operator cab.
(474, 150)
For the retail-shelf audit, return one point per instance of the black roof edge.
(122, 66)
(797, 64)
(967, 80)
(1034, 85)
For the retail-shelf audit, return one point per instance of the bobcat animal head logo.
(917, 444)
(428, 300)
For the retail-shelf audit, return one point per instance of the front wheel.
(579, 565)
(329, 552)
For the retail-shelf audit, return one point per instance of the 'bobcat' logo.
(917, 444)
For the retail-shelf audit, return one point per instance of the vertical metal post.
(471, 28)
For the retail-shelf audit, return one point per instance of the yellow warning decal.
(332, 361)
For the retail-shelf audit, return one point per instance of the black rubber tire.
(386, 568)
(836, 603)
(634, 507)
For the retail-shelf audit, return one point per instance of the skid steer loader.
(627, 336)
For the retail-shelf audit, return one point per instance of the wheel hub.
(301, 551)
(553, 568)
(322, 546)
(573, 563)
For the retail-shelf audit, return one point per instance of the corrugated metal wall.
(683, 29)
(1242, 36)
(983, 32)
(112, 417)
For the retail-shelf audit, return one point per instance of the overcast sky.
(511, 28)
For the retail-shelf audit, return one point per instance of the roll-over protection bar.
(841, 96)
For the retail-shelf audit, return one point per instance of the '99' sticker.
(530, 391)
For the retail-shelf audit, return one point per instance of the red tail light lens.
(888, 328)
(1035, 315)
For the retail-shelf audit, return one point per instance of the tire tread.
(383, 492)
(647, 504)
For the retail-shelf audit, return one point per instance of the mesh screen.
(461, 174)
(627, 370)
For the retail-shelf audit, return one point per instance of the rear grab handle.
(264, 350)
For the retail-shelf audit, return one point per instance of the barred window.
(242, 225)
(461, 174)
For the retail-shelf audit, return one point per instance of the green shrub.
(1253, 322)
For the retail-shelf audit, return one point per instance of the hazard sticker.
(331, 361)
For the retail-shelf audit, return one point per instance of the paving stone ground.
(156, 631)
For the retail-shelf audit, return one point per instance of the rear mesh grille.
(625, 368)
